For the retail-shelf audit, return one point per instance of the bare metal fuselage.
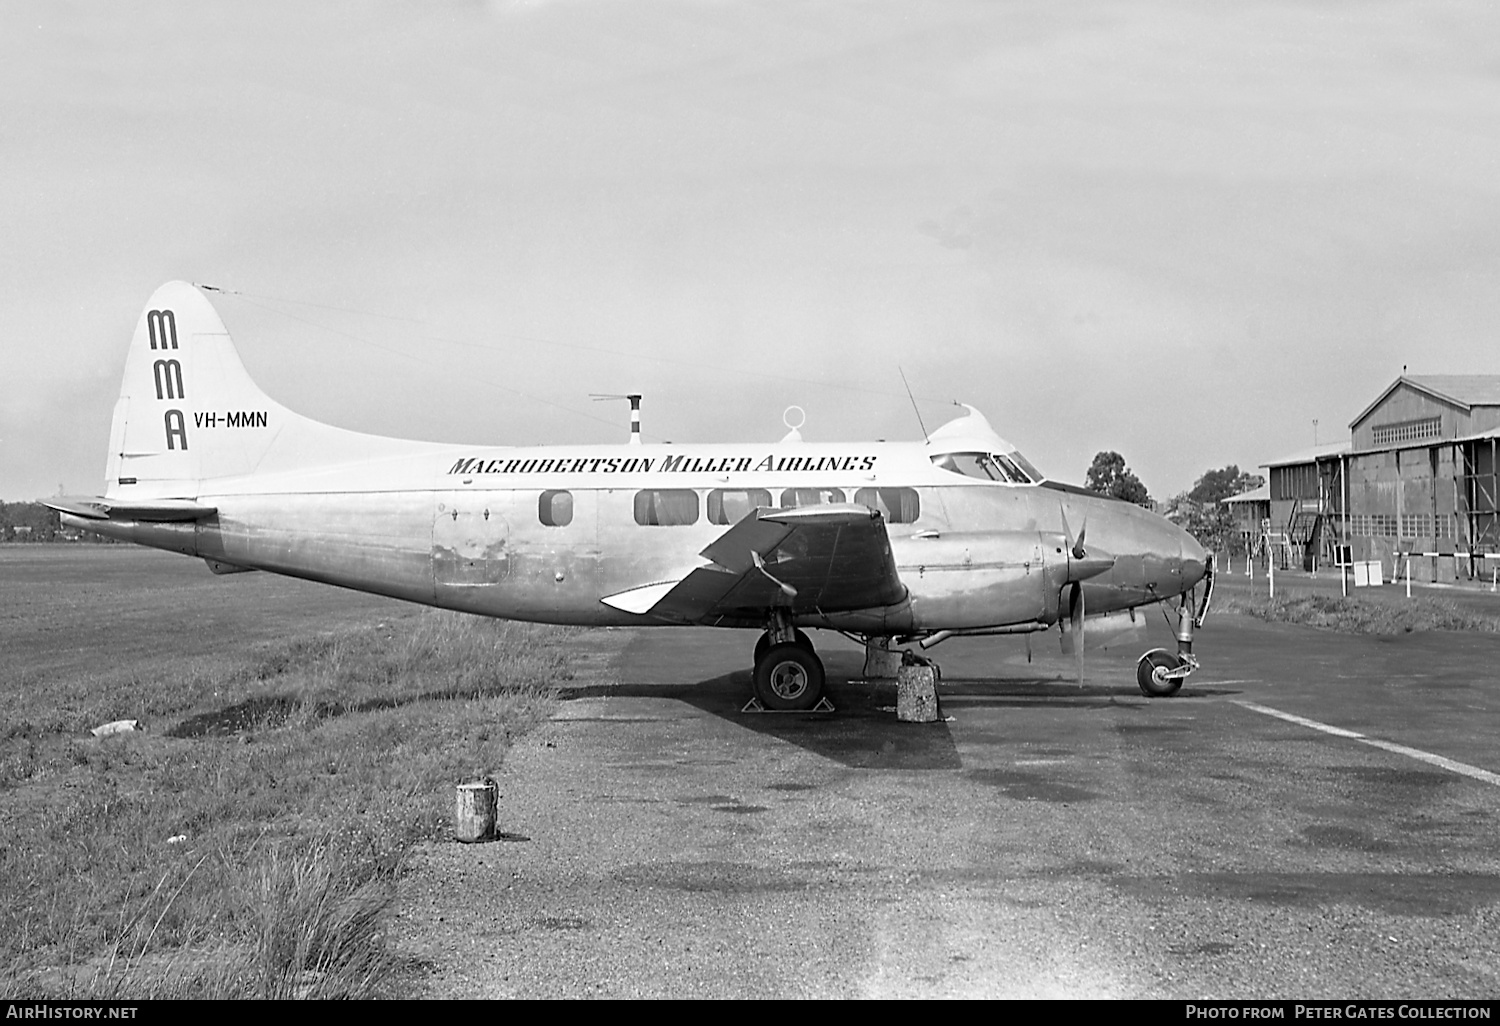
(448, 527)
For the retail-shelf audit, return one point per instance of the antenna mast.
(913, 400)
(635, 412)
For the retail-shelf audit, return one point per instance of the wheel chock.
(754, 706)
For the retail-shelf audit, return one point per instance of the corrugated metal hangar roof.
(1466, 390)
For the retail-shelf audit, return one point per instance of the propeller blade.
(1075, 545)
(1075, 615)
(1072, 628)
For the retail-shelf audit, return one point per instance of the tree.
(1210, 524)
(1201, 511)
(1217, 485)
(39, 523)
(1108, 475)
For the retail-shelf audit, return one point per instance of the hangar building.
(1418, 475)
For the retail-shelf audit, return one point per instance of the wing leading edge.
(828, 558)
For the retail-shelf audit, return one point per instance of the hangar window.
(666, 507)
(1408, 431)
(555, 509)
(731, 505)
(793, 497)
(897, 505)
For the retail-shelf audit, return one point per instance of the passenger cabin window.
(666, 507)
(555, 509)
(794, 497)
(1010, 468)
(731, 505)
(897, 505)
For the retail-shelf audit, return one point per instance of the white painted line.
(1300, 721)
(1451, 765)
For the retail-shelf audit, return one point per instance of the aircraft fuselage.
(908, 540)
(545, 534)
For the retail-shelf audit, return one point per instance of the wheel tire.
(789, 676)
(764, 643)
(1148, 674)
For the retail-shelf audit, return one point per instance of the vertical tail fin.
(188, 412)
(187, 409)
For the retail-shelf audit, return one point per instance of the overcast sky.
(1182, 231)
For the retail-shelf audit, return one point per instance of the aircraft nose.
(1194, 559)
(1174, 561)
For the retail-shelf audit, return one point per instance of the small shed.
(1249, 509)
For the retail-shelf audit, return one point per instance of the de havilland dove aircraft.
(904, 542)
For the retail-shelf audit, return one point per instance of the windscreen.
(1007, 468)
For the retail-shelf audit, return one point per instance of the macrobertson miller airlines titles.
(662, 464)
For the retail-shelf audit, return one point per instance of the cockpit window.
(1021, 461)
(1012, 468)
(1009, 468)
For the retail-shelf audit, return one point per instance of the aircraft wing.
(813, 558)
(156, 510)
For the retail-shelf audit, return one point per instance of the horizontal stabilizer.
(155, 510)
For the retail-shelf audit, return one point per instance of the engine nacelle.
(982, 579)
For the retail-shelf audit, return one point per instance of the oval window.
(666, 507)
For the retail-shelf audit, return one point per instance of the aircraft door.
(470, 541)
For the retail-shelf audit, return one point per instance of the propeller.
(1073, 637)
(760, 564)
(1081, 566)
(1075, 546)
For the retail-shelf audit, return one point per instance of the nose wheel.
(1160, 673)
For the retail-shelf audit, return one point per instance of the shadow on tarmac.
(863, 732)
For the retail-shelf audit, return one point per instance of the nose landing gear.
(1160, 673)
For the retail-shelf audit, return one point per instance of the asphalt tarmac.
(1047, 839)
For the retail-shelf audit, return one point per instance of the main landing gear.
(788, 673)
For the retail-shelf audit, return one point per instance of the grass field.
(298, 741)
(1376, 611)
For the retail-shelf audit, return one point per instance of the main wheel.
(765, 643)
(1150, 673)
(789, 676)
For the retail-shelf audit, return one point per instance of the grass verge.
(247, 844)
(1360, 616)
